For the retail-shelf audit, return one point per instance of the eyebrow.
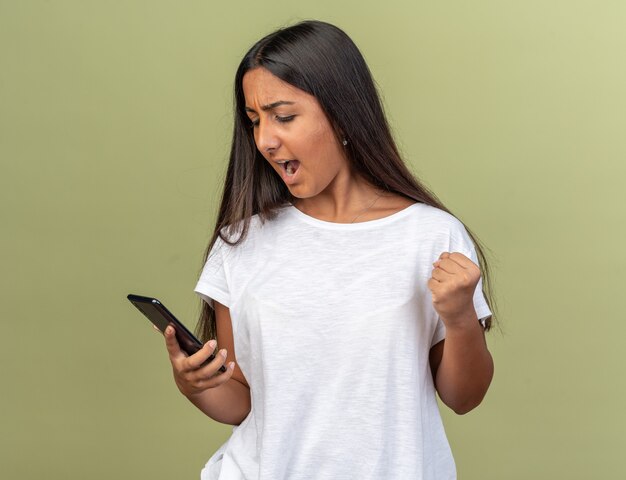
(271, 105)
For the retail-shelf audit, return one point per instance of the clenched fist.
(453, 284)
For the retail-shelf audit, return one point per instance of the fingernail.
(231, 365)
(169, 330)
(212, 344)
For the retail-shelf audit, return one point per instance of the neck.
(340, 209)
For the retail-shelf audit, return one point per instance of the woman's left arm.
(461, 364)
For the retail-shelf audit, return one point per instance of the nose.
(266, 139)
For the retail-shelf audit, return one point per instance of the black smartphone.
(161, 317)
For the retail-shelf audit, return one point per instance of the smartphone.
(161, 317)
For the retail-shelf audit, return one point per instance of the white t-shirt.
(332, 328)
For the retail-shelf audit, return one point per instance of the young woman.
(341, 292)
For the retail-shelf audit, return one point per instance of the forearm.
(229, 403)
(466, 366)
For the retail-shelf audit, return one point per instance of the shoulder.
(247, 233)
(436, 219)
(433, 216)
(448, 229)
(440, 226)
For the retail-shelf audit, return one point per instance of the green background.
(115, 123)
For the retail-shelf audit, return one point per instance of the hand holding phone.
(196, 373)
(193, 364)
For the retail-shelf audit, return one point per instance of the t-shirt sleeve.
(213, 281)
(461, 242)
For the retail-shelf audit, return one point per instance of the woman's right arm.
(229, 403)
(222, 398)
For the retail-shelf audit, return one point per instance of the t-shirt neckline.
(291, 209)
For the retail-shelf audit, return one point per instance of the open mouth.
(290, 167)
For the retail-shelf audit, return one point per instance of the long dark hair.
(322, 60)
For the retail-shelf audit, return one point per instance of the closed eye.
(255, 123)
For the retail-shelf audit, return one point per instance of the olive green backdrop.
(115, 122)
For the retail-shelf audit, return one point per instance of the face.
(289, 124)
